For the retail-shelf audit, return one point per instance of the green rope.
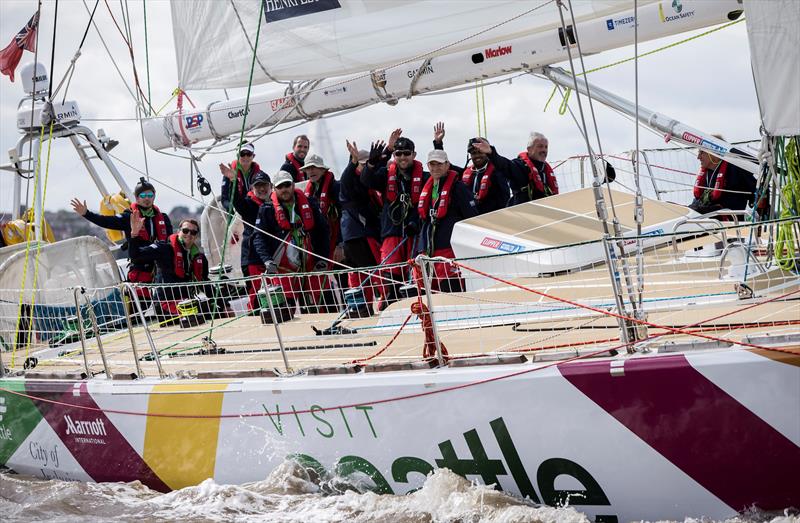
(229, 219)
(788, 165)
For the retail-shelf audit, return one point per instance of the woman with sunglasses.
(156, 226)
(246, 170)
(179, 260)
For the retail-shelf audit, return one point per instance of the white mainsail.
(772, 30)
(302, 40)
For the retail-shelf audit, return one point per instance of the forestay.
(772, 29)
(303, 40)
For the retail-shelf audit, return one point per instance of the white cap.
(437, 155)
(314, 160)
(249, 147)
(281, 178)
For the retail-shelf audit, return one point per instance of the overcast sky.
(706, 83)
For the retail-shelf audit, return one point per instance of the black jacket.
(360, 216)
(248, 210)
(516, 172)
(395, 216)
(123, 223)
(438, 232)
(162, 253)
(267, 246)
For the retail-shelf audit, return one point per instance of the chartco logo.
(491, 52)
(238, 114)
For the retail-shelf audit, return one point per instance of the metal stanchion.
(153, 350)
(135, 349)
(82, 334)
(265, 286)
(96, 329)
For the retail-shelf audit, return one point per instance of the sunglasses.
(193, 232)
(245, 153)
(403, 153)
(147, 195)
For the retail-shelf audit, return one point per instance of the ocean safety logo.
(677, 8)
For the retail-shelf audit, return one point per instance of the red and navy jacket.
(526, 185)
(175, 265)
(292, 165)
(243, 183)
(400, 194)
(361, 207)
(489, 186)
(247, 206)
(156, 228)
(266, 246)
(453, 204)
(725, 187)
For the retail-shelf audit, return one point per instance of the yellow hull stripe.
(182, 451)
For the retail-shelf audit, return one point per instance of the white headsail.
(772, 29)
(302, 40)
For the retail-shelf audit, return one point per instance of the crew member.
(324, 187)
(291, 230)
(361, 226)
(295, 159)
(247, 206)
(444, 202)
(400, 183)
(179, 260)
(246, 169)
(721, 185)
(156, 226)
(529, 174)
(484, 179)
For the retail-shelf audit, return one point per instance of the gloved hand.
(271, 268)
(375, 152)
(321, 265)
(410, 229)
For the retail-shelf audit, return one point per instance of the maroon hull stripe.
(698, 427)
(91, 437)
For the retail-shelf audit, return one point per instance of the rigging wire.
(53, 53)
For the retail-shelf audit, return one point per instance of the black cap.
(143, 186)
(403, 144)
(261, 177)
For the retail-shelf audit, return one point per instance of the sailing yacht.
(614, 352)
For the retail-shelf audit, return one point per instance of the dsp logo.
(193, 121)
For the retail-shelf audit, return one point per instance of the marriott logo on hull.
(489, 53)
(85, 428)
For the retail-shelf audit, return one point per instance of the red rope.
(396, 334)
(620, 316)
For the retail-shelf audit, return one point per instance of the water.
(288, 495)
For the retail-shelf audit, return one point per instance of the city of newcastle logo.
(277, 10)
